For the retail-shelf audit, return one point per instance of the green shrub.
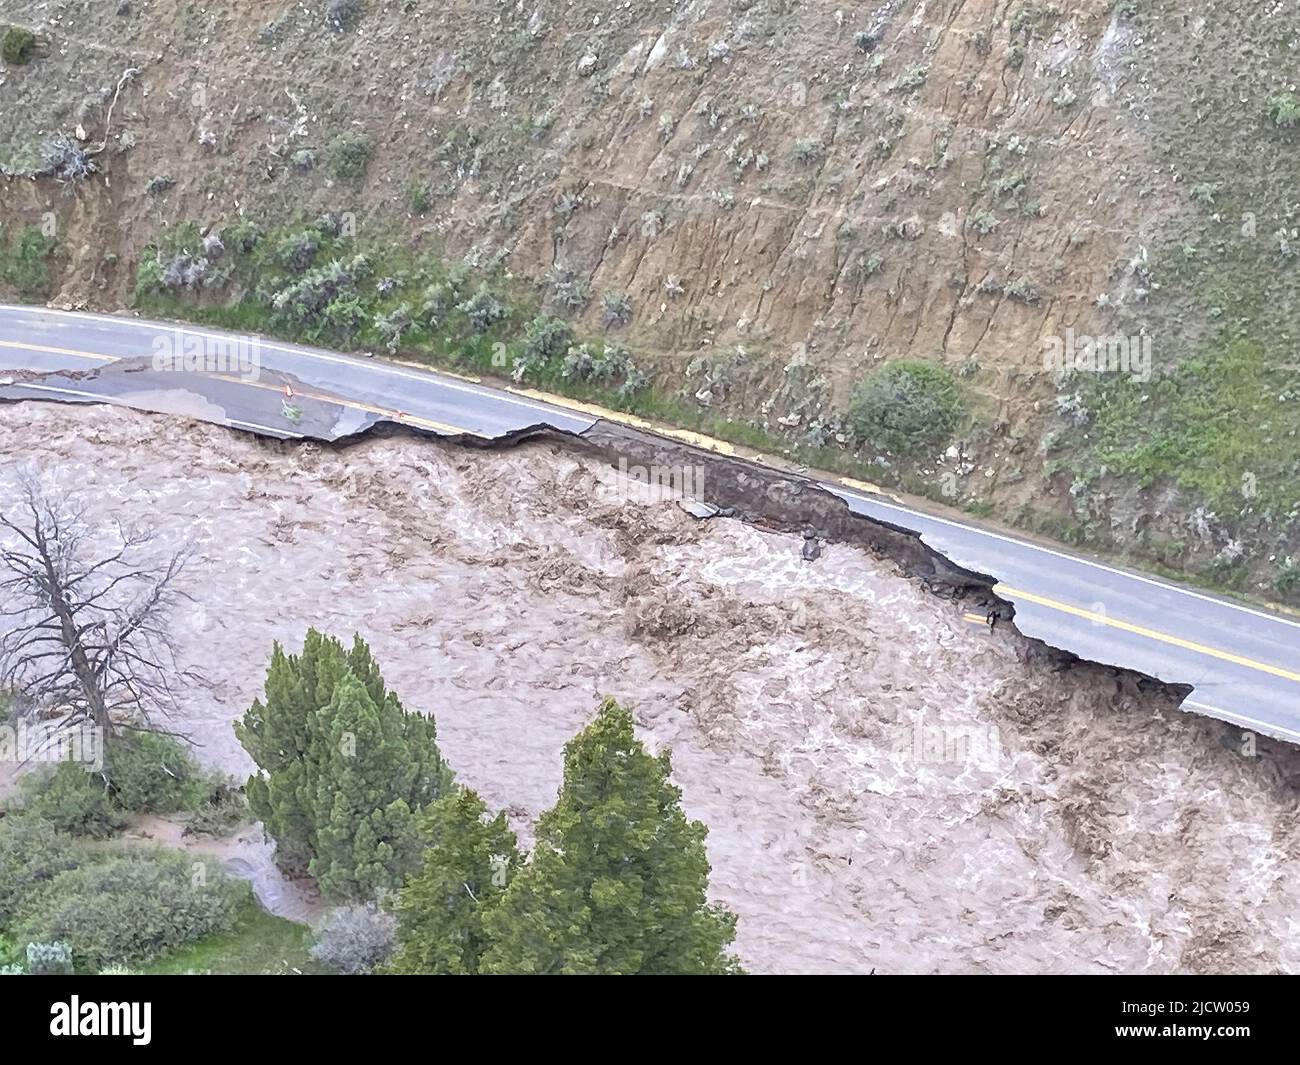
(152, 773)
(131, 907)
(617, 307)
(546, 338)
(569, 292)
(349, 156)
(32, 852)
(18, 46)
(149, 276)
(143, 773)
(482, 309)
(355, 940)
(296, 251)
(1284, 110)
(906, 407)
(345, 317)
(325, 299)
(392, 325)
(221, 810)
(241, 236)
(1287, 581)
(584, 362)
(25, 265)
(74, 799)
(420, 199)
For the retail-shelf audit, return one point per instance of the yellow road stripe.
(59, 351)
(868, 487)
(688, 436)
(1152, 634)
(975, 619)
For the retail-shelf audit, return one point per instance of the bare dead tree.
(84, 613)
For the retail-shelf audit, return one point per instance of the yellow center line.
(1151, 634)
(688, 436)
(868, 487)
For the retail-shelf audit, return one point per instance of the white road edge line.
(69, 392)
(1242, 719)
(841, 491)
(100, 398)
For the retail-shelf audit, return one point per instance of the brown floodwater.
(887, 785)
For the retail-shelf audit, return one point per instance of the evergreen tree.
(468, 862)
(343, 768)
(617, 882)
(365, 837)
(278, 736)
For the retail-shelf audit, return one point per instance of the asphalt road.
(1243, 662)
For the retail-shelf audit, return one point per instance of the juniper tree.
(342, 768)
(280, 738)
(617, 882)
(368, 784)
(468, 863)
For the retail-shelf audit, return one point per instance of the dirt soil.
(887, 785)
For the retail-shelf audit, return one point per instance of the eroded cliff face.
(809, 175)
(789, 193)
(887, 784)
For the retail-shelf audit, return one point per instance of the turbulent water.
(887, 785)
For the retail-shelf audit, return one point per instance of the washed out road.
(1242, 662)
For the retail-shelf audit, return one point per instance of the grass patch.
(17, 46)
(23, 261)
(260, 943)
(1224, 423)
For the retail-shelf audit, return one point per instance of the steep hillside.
(762, 202)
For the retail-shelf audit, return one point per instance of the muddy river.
(888, 784)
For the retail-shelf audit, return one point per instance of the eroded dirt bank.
(886, 784)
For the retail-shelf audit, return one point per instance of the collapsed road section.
(1228, 660)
